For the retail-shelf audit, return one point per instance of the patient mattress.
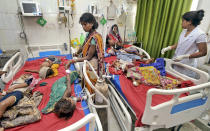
(51, 122)
(136, 96)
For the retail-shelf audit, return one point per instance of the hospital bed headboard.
(51, 49)
(12, 66)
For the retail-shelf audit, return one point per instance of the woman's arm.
(111, 42)
(174, 46)
(202, 47)
(80, 50)
(91, 52)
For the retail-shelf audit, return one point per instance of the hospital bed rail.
(93, 87)
(178, 110)
(142, 51)
(124, 115)
(16, 62)
(90, 118)
(12, 66)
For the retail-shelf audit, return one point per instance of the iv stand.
(69, 31)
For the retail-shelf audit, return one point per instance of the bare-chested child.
(45, 69)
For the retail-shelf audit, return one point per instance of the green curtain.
(158, 24)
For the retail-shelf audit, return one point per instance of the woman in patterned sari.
(113, 39)
(93, 48)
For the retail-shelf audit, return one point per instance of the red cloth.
(126, 46)
(136, 97)
(49, 122)
(186, 84)
(110, 59)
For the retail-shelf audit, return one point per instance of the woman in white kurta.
(192, 42)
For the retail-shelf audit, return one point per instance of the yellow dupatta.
(99, 45)
(100, 54)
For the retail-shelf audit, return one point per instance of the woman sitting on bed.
(114, 43)
(48, 68)
(113, 39)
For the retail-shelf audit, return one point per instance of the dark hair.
(115, 25)
(194, 16)
(64, 109)
(49, 72)
(89, 18)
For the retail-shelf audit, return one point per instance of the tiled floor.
(112, 122)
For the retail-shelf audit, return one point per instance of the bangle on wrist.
(73, 61)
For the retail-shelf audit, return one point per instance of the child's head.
(64, 108)
(88, 22)
(45, 72)
(49, 72)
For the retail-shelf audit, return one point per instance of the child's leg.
(9, 100)
(6, 103)
(1, 129)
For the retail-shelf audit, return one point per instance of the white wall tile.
(52, 32)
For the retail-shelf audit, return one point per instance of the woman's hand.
(75, 55)
(181, 57)
(69, 63)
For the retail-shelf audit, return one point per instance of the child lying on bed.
(129, 50)
(48, 68)
(15, 92)
(65, 107)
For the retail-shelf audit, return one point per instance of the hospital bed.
(89, 121)
(172, 112)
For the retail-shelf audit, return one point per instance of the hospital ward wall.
(53, 34)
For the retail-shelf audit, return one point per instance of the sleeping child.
(15, 92)
(48, 68)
